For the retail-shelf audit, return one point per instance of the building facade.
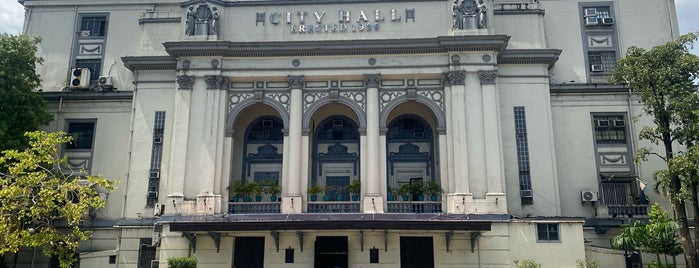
(200, 106)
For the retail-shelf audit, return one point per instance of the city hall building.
(411, 133)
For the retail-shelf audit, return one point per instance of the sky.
(12, 14)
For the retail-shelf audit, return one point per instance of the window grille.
(525, 181)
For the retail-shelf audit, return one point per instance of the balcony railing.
(414, 207)
(627, 210)
(333, 207)
(254, 207)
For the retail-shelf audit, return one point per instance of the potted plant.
(255, 190)
(314, 190)
(355, 187)
(328, 190)
(272, 188)
(391, 193)
(418, 188)
(433, 189)
(404, 191)
(236, 191)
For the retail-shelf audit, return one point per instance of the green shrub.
(586, 264)
(182, 262)
(527, 263)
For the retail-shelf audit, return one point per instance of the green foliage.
(182, 262)
(238, 189)
(355, 187)
(21, 108)
(586, 264)
(271, 187)
(527, 263)
(656, 264)
(658, 235)
(315, 189)
(43, 202)
(433, 188)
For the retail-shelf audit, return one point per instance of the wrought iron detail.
(333, 207)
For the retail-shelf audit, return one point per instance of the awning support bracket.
(275, 235)
(217, 240)
(385, 240)
(449, 236)
(192, 237)
(361, 240)
(299, 234)
(474, 239)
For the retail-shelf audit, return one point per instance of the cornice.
(79, 95)
(135, 63)
(295, 2)
(529, 56)
(442, 44)
(579, 88)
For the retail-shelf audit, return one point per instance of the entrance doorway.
(249, 252)
(331, 252)
(416, 252)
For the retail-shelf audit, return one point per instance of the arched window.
(262, 152)
(336, 156)
(410, 152)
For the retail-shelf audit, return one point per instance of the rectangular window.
(525, 181)
(93, 26)
(146, 252)
(156, 158)
(82, 134)
(601, 61)
(609, 129)
(547, 232)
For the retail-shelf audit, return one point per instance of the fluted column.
(457, 153)
(292, 202)
(373, 202)
(178, 146)
(493, 143)
(475, 135)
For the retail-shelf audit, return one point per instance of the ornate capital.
(487, 77)
(296, 81)
(454, 78)
(216, 82)
(185, 82)
(372, 80)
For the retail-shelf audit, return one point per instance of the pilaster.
(292, 201)
(373, 201)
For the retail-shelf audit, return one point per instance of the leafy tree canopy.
(658, 235)
(21, 109)
(43, 203)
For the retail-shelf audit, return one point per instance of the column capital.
(487, 77)
(185, 82)
(296, 81)
(372, 80)
(454, 78)
(216, 82)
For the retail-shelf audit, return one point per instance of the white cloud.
(11, 17)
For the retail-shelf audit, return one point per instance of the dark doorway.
(416, 252)
(249, 252)
(331, 252)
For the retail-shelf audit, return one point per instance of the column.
(475, 135)
(207, 157)
(292, 201)
(373, 202)
(457, 148)
(493, 144)
(178, 146)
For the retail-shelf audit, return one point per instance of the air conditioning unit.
(526, 193)
(607, 21)
(152, 195)
(619, 123)
(590, 12)
(596, 68)
(154, 175)
(105, 82)
(602, 123)
(158, 209)
(591, 21)
(79, 78)
(588, 196)
(157, 140)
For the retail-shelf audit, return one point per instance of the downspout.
(128, 165)
(632, 134)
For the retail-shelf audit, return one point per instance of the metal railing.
(414, 207)
(333, 207)
(628, 210)
(254, 207)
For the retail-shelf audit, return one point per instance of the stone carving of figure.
(482, 11)
(215, 21)
(189, 22)
(457, 16)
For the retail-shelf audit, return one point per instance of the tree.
(663, 77)
(21, 109)
(43, 203)
(657, 236)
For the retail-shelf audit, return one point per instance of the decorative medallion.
(372, 80)
(296, 81)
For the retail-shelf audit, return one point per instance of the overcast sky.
(12, 13)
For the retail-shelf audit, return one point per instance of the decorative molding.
(487, 77)
(296, 81)
(158, 20)
(216, 82)
(530, 56)
(452, 78)
(357, 97)
(387, 96)
(295, 2)
(282, 98)
(311, 97)
(442, 44)
(372, 80)
(185, 82)
(149, 63)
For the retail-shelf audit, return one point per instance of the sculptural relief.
(469, 14)
(203, 20)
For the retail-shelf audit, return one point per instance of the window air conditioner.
(526, 193)
(619, 123)
(591, 21)
(158, 209)
(158, 140)
(608, 21)
(154, 175)
(79, 78)
(596, 68)
(602, 123)
(588, 196)
(152, 195)
(590, 12)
